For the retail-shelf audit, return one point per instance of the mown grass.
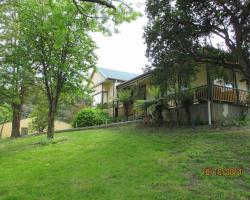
(125, 163)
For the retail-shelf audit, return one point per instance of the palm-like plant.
(125, 97)
(154, 106)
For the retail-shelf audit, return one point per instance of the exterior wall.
(242, 85)
(97, 78)
(200, 78)
(97, 89)
(224, 111)
(110, 87)
(199, 114)
(97, 95)
(148, 83)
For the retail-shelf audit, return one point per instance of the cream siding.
(97, 78)
(200, 79)
(242, 85)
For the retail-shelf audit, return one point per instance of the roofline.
(131, 81)
(107, 79)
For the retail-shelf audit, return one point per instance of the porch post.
(102, 94)
(113, 101)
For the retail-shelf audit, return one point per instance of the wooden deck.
(215, 93)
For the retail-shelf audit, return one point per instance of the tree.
(15, 72)
(125, 97)
(5, 116)
(39, 114)
(181, 31)
(61, 47)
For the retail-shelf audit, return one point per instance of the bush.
(241, 121)
(119, 119)
(39, 117)
(90, 117)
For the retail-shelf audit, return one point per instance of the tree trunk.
(51, 121)
(1, 131)
(126, 108)
(188, 113)
(178, 120)
(159, 115)
(15, 132)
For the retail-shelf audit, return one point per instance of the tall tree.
(177, 30)
(58, 34)
(15, 72)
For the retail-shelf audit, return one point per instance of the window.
(183, 82)
(142, 92)
(223, 77)
(97, 99)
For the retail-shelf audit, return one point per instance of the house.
(104, 83)
(218, 94)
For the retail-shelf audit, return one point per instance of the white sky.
(124, 51)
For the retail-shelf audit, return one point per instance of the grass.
(125, 163)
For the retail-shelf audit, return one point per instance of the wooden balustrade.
(225, 94)
(201, 93)
(218, 93)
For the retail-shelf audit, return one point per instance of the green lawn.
(125, 163)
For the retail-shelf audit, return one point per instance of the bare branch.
(78, 7)
(101, 2)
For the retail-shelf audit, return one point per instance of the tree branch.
(87, 16)
(101, 2)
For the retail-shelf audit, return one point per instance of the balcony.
(215, 93)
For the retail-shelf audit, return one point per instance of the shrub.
(119, 119)
(39, 117)
(241, 121)
(90, 117)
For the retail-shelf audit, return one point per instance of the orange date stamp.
(210, 171)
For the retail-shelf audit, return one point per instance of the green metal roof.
(115, 74)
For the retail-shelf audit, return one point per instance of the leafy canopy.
(181, 32)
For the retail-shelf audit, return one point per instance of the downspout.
(209, 98)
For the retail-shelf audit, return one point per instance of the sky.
(125, 50)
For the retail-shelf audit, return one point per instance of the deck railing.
(215, 93)
(225, 94)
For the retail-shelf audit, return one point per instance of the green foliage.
(125, 96)
(90, 117)
(5, 113)
(154, 91)
(39, 115)
(59, 37)
(102, 106)
(181, 33)
(118, 119)
(243, 120)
